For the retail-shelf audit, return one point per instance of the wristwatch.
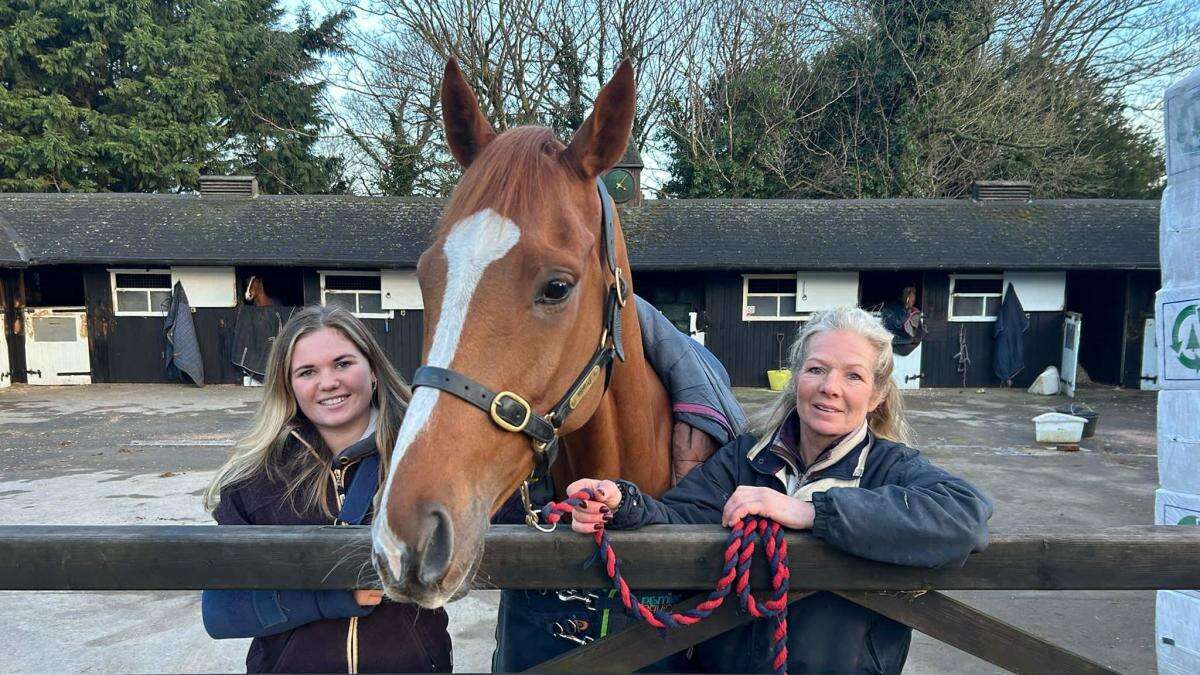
(630, 495)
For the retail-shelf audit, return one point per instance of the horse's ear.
(601, 141)
(467, 130)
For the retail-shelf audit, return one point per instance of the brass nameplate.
(583, 388)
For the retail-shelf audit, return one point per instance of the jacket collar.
(360, 448)
(845, 459)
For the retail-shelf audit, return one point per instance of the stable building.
(750, 271)
(84, 278)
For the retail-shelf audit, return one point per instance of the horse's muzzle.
(416, 575)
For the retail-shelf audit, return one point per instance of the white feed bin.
(1055, 427)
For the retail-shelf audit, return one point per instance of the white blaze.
(473, 244)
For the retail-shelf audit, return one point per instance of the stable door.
(56, 346)
(1150, 356)
(1070, 352)
(906, 370)
(5, 371)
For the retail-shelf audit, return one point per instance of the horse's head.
(515, 288)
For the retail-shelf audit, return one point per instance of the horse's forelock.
(516, 175)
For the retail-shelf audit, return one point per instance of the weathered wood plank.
(944, 618)
(639, 645)
(676, 557)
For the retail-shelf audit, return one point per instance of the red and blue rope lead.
(745, 536)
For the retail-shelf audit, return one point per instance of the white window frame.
(974, 318)
(746, 298)
(145, 271)
(386, 314)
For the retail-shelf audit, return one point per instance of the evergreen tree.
(145, 95)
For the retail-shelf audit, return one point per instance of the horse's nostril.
(437, 537)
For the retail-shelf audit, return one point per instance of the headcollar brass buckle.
(504, 423)
(621, 289)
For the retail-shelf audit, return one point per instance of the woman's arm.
(698, 498)
(241, 614)
(921, 516)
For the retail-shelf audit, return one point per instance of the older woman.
(828, 456)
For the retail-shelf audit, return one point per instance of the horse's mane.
(502, 175)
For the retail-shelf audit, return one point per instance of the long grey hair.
(887, 419)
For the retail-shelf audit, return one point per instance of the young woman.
(332, 406)
(829, 456)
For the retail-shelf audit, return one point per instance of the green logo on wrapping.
(1184, 340)
(1188, 520)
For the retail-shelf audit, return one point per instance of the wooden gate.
(662, 557)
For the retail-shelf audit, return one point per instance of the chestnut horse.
(520, 286)
(256, 293)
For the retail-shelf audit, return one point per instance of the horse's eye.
(555, 291)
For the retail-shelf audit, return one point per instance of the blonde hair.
(887, 419)
(283, 444)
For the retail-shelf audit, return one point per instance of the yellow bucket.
(778, 379)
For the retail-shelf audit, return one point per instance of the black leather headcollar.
(513, 413)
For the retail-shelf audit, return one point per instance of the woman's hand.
(594, 512)
(368, 597)
(761, 501)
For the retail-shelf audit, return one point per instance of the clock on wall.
(621, 185)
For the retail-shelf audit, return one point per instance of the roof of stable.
(784, 234)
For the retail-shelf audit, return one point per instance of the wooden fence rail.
(193, 557)
(668, 557)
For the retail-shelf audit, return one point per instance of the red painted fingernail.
(597, 526)
(607, 517)
(603, 509)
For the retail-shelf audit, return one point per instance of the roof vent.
(228, 186)
(1001, 191)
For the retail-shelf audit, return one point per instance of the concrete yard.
(142, 455)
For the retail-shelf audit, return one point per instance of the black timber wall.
(132, 348)
(400, 337)
(1043, 342)
(749, 348)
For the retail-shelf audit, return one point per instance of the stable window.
(358, 292)
(770, 297)
(141, 292)
(975, 297)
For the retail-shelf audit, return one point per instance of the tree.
(130, 95)
(920, 98)
(745, 80)
(529, 62)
